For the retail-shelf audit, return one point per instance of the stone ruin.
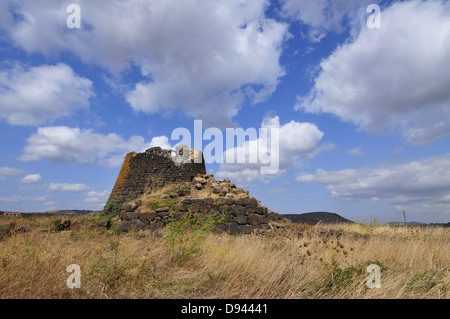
(155, 189)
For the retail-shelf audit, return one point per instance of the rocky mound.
(203, 195)
(314, 218)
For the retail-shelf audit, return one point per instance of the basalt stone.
(156, 225)
(208, 201)
(255, 219)
(237, 210)
(132, 225)
(232, 228)
(241, 219)
(261, 210)
(245, 229)
(183, 192)
(148, 216)
(129, 215)
(61, 226)
(129, 207)
(187, 201)
(224, 201)
(106, 224)
(247, 201)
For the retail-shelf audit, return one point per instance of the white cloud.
(425, 182)
(31, 179)
(36, 95)
(323, 16)
(79, 146)
(205, 57)
(10, 171)
(66, 187)
(15, 199)
(297, 140)
(95, 197)
(393, 77)
(357, 151)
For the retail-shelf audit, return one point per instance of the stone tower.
(152, 170)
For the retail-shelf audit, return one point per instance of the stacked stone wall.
(147, 172)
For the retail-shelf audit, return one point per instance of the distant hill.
(314, 218)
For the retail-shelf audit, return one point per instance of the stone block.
(148, 216)
(255, 219)
(245, 229)
(232, 228)
(241, 219)
(129, 207)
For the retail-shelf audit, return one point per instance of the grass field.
(414, 262)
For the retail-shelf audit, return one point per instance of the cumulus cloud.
(31, 179)
(9, 171)
(67, 187)
(33, 96)
(296, 141)
(425, 182)
(324, 16)
(96, 197)
(83, 146)
(357, 151)
(205, 57)
(391, 78)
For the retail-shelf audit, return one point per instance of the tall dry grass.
(414, 263)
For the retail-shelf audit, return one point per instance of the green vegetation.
(160, 203)
(187, 230)
(173, 190)
(113, 207)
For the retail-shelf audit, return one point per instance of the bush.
(114, 207)
(187, 230)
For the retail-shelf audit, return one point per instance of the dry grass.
(414, 263)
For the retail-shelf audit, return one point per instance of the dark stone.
(133, 225)
(156, 225)
(255, 219)
(245, 229)
(208, 201)
(129, 207)
(232, 228)
(183, 192)
(104, 224)
(61, 226)
(241, 219)
(129, 215)
(21, 230)
(148, 216)
(256, 210)
(247, 201)
(237, 210)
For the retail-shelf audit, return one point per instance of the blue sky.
(363, 113)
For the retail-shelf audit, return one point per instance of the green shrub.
(113, 207)
(187, 230)
(173, 190)
(160, 203)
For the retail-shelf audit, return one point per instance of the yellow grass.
(414, 263)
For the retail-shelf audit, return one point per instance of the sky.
(360, 98)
